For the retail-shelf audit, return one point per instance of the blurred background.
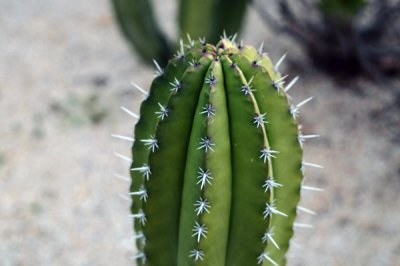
(65, 70)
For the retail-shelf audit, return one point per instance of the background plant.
(201, 19)
(344, 38)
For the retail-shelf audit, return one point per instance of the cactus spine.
(217, 161)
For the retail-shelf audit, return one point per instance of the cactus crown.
(217, 160)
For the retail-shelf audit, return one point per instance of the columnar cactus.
(217, 161)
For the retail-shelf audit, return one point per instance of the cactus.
(137, 23)
(207, 18)
(217, 164)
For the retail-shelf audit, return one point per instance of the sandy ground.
(64, 72)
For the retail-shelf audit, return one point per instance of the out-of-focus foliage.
(199, 19)
(139, 26)
(348, 8)
(344, 38)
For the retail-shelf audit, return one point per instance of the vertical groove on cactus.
(207, 177)
(163, 114)
(217, 161)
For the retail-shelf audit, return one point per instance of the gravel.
(64, 72)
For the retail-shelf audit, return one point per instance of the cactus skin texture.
(217, 161)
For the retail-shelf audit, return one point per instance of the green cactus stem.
(342, 8)
(206, 18)
(140, 28)
(217, 161)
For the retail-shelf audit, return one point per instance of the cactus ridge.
(217, 160)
